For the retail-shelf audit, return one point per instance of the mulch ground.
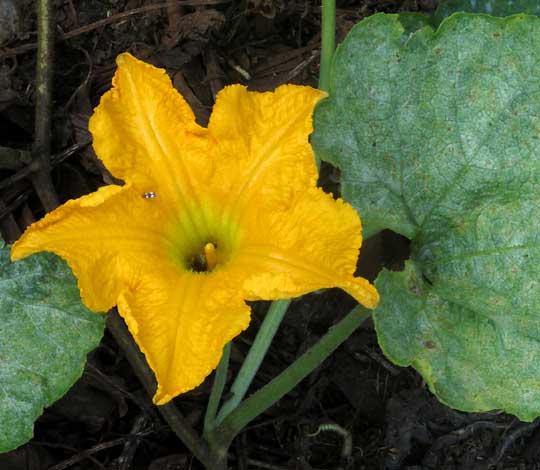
(106, 420)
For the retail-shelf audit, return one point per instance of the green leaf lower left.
(45, 334)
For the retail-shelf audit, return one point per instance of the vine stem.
(255, 356)
(41, 149)
(261, 400)
(170, 413)
(328, 39)
(217, 390)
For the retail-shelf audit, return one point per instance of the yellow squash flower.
(207, 218)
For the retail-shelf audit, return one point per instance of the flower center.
(207, 243)
(205, 261)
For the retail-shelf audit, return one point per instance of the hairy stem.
(328, 40)
(217, 390)
(257, 403)
(255, 356)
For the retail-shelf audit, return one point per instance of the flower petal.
(262, 153)
(145, 133)
(181, 324)
(313, 245)
(108, 238)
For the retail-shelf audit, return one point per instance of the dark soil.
(106, 421)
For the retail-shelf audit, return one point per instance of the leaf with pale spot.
(437, 135)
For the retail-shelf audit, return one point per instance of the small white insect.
(149, 195)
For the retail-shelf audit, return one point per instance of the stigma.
(210, 255)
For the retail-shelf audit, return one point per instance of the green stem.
(328, 39)
(217, 390)
(255, 356)
(257, 403)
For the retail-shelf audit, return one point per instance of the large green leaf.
(45, 334)
(490, 7)
(437, 135)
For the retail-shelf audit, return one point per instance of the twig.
(301, 66)
(282, 62)
(109, 385)
(54, 445)
(34, 166)
(9, 208)
(170, 413)
(17, 159)
(58, 158)
(8, 226)
(41, 150)
(86, 453)
(84, 84)
(19, 175)
(130, 447)
(110, 20)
